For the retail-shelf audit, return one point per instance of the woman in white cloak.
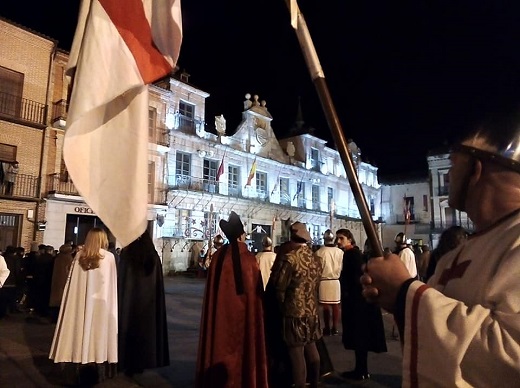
(86, 331)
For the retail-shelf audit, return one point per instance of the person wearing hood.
(231, 344)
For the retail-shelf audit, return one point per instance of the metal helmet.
(267, 242)
(328, 235)
(497, 139)
(400, 238)
(218, 241)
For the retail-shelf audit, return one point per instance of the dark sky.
(405, 76)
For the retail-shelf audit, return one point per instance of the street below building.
(25, 342)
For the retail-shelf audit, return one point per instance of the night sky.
(405, 76)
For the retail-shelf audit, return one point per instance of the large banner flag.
(119, 47)
(252, 173)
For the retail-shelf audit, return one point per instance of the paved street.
(25, 342)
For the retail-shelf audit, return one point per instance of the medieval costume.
(60, 272)
(331, 258)
(143, 332)
(451, 319)
(86, 331)
(231, 344)
(296, 327)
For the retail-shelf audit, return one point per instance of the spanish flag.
(252, 173)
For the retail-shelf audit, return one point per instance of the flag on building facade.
(220, 170)
(119, 47)
(252, 173)
(299, 187)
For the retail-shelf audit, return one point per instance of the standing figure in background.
(10, 178)
(363, 329)
(232, 343)
(143, 331)
(61, 270)
(86, 331)
(295, 280)
(4, 274)
(450, 239)
(265, 259)
(405, 253)
(218, 241)
(331, 258)
(42, 281)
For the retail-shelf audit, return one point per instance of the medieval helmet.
(218, 240)
(328, 235)
(496, 139)
(267, 242)
(400, 238)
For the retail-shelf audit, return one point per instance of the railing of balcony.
(59, 110)
(22, 109)
(234, 190)
(60, 184)
(444, 190)
(262, 195)
(185, 182)
(24, 185)
(399, 219)
(159, 196)
(162, 136)
(186, 124)
(285, 199)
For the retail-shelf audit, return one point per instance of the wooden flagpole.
(318, 78)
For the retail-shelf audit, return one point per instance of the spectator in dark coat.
(60, 272)
(363, 329)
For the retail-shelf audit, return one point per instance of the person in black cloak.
(143, 333)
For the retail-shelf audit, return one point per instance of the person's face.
(459, 174)
(342, 241)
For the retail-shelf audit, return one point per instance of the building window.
(300, 193)
(315, 159)
(372, 207)
(425, 202)
(152, 119)
(316, 236)
(409, 208)
(182, 169)
(233, 180)
(187, 110)
(11, 89)
(330, 197)
(7, 153)
(316, 197)
(151, 181)
(261, 185)
(285, 196)
(444, 183)
(209, 175)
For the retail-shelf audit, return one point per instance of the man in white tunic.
(406, 254)
(463, 328)
(265, 259)
(331, 258)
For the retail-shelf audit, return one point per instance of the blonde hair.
(89, 256)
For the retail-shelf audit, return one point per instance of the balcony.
(186, 124)
(21, 110)
(234, 190)
(24, 186)
(285, 199)
(399, 218)
(61, 184)
(444, 190)
(59, 113)
(185, 182)
(161, 136)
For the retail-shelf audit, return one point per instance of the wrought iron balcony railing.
(24, 186)
(61, 184)
(59, 110)
(21, 109)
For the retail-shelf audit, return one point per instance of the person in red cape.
(232, 349)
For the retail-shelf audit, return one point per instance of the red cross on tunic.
(456, 271)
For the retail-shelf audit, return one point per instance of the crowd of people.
(108, 307)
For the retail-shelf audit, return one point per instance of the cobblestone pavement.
(25, 341)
